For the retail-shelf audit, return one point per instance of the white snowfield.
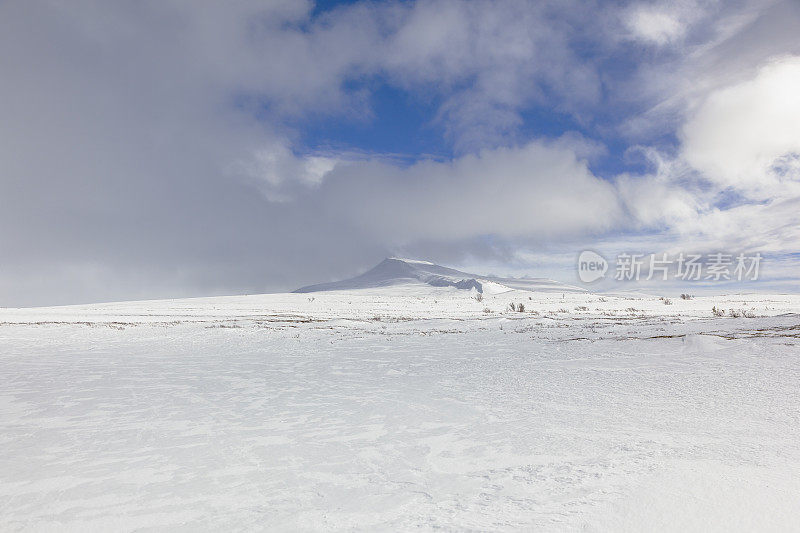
(409, 407)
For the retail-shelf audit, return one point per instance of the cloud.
(747, 136)
(731, 182)
(724, 43)
(657, 24)
(153, 149)
(119, 134)
(540, 189)
(148, 149)
(281, 174)
(489, 60)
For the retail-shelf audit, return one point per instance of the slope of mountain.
(396, 271)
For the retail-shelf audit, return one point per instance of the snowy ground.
(410, 408)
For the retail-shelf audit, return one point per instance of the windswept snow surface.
(405, 408)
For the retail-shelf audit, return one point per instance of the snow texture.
(409, 407)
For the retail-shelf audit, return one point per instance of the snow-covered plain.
(402, 408)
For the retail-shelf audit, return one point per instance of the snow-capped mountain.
(395, 271)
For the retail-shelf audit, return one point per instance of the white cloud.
(747, 136)
(655, 24)
(656, 203)
(724, 44)
(488, 60)
(279, 173)
(541, 189)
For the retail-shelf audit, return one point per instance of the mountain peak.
(409, 261)
(396, 271)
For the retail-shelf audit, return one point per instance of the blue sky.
(174, 149)
(404, 123)
(398, 123)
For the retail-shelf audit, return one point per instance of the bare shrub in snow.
(581, 308)
(479, 297)
(686, 296)
(717, 312)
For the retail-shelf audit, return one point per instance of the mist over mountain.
(395, 271)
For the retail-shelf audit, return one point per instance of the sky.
(155, 149)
